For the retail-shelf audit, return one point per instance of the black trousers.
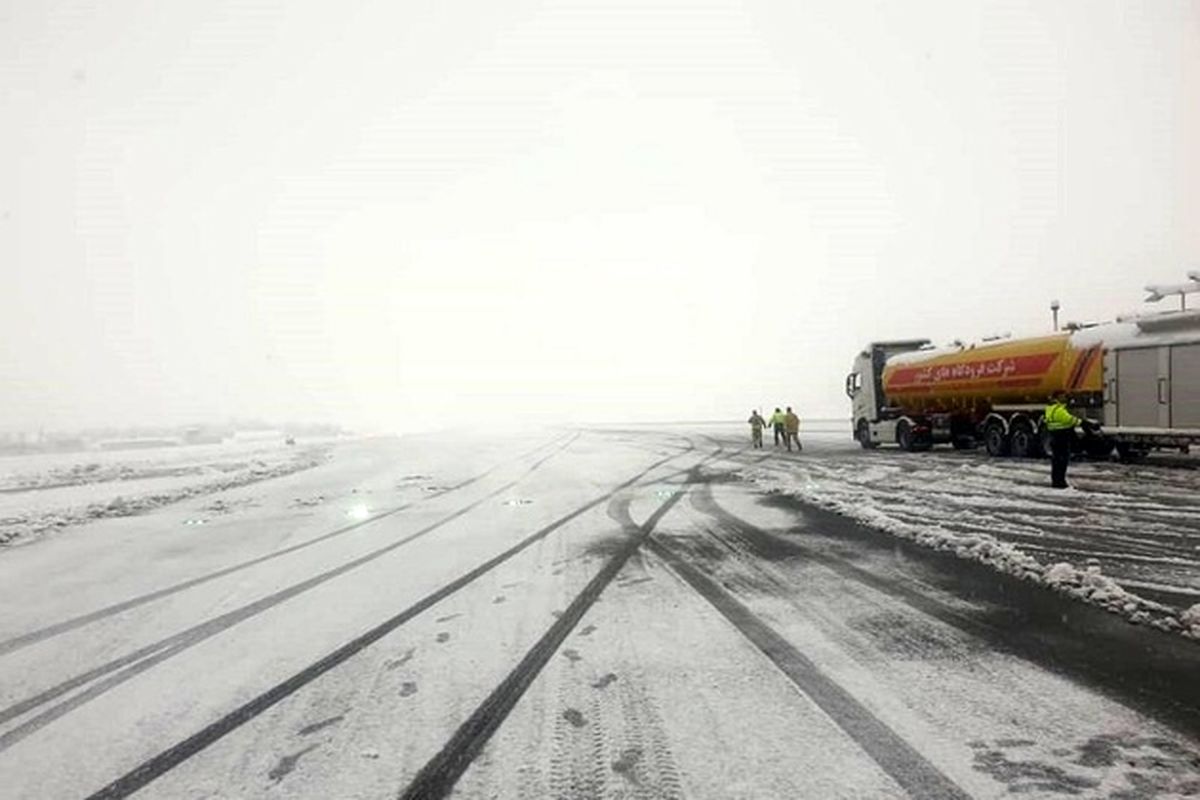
(1060, 456)
(779, 434)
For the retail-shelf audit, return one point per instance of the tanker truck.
(1137, 377)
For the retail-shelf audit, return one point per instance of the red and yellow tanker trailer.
(1139, 378)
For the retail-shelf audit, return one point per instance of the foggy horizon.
(404, 218)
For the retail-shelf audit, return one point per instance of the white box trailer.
(1152, 382)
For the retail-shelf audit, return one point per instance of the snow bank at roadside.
(1087, 584)
(92, 472)
(24, 526)
(51, 471)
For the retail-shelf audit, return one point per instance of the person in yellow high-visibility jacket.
(1061, 424)
(777, 426)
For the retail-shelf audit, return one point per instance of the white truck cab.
(864, 386)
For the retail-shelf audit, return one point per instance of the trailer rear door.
(1143, 379)
(1185, 386)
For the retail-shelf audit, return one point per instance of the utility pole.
(1054, 310)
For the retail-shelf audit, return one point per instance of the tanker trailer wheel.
(995, 439)
(905, 436)
(1099, 448)
(1024, 442)
(1047, 450)
(863, 434)
(1130, 453)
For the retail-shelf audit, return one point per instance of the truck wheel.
(1098, 448)
(1024, 443)
(862, 432)
(905, 437)
(995, 439)
(1130, 454)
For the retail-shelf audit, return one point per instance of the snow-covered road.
(1138, 525)
(581, 614)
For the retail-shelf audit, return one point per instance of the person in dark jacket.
(757, 423)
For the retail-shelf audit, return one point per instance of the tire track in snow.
(766, 546)
(577, 749)
(1105, 524)
(912, 771)
(630, 755)
(128, 666)
(437, 778)
(620, 747)
(1139, 667)
(168, 759)
(41, 634)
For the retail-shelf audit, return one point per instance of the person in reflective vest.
(777, 422)
(1061, 423)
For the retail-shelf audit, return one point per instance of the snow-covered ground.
(45, 493)
(596, 614)
(1125, 536)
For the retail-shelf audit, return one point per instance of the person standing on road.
(777, 425)
(1061, 423)
(791, 424)
(756, 426)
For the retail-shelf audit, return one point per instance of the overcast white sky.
(394, 214)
